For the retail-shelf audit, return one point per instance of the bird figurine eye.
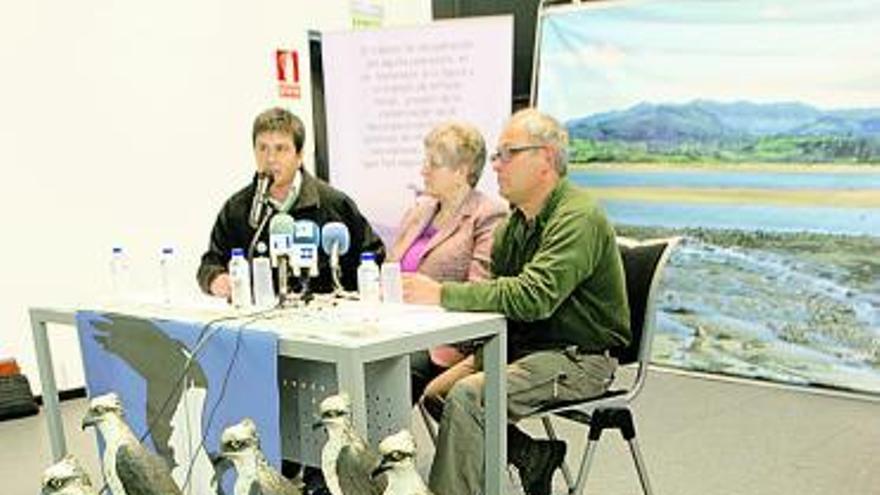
(56, 484)
(235, 444)
(396, 456)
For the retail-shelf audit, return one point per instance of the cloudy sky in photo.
(613, 55)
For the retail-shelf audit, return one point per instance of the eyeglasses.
(431, 162)
(505, 153)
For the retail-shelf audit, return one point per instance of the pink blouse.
(413, 256)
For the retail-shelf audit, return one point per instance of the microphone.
(335, 241)
(264, 180)
(305, 247)
(305, 254)
(281, 229)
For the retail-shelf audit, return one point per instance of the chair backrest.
(643, 263)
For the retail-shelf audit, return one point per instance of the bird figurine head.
(101, 408)
(398, 451)
(66, 477)
(240, 440)
(335, 412)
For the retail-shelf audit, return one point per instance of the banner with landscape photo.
(752, 129)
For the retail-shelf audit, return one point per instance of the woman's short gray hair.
(544, 129)
(455, 144)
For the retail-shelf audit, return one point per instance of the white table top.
(325, 322)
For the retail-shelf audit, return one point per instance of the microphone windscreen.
(282, 224)
(335, 233)
(264, 181)
(306, 232)
(280, 236)
(265, 177)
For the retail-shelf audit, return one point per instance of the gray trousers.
(534, 381)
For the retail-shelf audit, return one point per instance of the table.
(368, 346)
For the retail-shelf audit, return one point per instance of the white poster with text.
(386, 89)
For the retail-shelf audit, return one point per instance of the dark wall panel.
(525, 15)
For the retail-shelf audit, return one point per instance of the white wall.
(129, 123)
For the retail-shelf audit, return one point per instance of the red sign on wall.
(287, 73)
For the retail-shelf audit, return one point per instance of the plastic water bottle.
(240, 279)
(119, 272)
(166, 273)
(368, 278)
(264, 293)
(392, 283)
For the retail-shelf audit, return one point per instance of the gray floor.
(698, 437)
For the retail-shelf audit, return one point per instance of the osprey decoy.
(129, 467)
(240, 444)
(346, 460)
(176, 389)
(398, 453)
(67, 477)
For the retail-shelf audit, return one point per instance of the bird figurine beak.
(89, 420)
(381, 468)
(318, 424)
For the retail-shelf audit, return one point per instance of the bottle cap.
(368, 256)
(117, 249)
(237, 252)
(167, 250)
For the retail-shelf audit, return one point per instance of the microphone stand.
(335, 270)
(283, 289)
(307, 294)
(267, 213)
(339, 291)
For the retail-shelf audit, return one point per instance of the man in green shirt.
(558, 277)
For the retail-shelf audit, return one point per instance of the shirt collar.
(549, 206)
(292, 194)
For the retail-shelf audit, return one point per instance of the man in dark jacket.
(278, 138)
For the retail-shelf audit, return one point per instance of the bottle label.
(368, 282)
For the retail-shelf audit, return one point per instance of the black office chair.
(643, 263)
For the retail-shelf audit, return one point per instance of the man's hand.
(420, 289)
(221, 287)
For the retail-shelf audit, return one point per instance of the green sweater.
(558, 279)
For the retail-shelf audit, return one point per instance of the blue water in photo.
(819, 219)
(852, 221)
(728, 179)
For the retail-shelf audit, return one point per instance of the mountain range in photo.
(711, 131)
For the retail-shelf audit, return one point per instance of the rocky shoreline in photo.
(801, 308)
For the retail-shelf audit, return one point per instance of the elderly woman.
(447, 235)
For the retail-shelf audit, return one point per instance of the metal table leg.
(49, 389)
(351, 377)
(495, 364)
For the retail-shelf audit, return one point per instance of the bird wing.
(160, 360)
(273, 483)
(353, 468)
(143, 472)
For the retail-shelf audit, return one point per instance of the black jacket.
(318, 202)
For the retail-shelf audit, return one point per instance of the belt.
(581, 351)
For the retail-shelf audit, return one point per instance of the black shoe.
(545, 457)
